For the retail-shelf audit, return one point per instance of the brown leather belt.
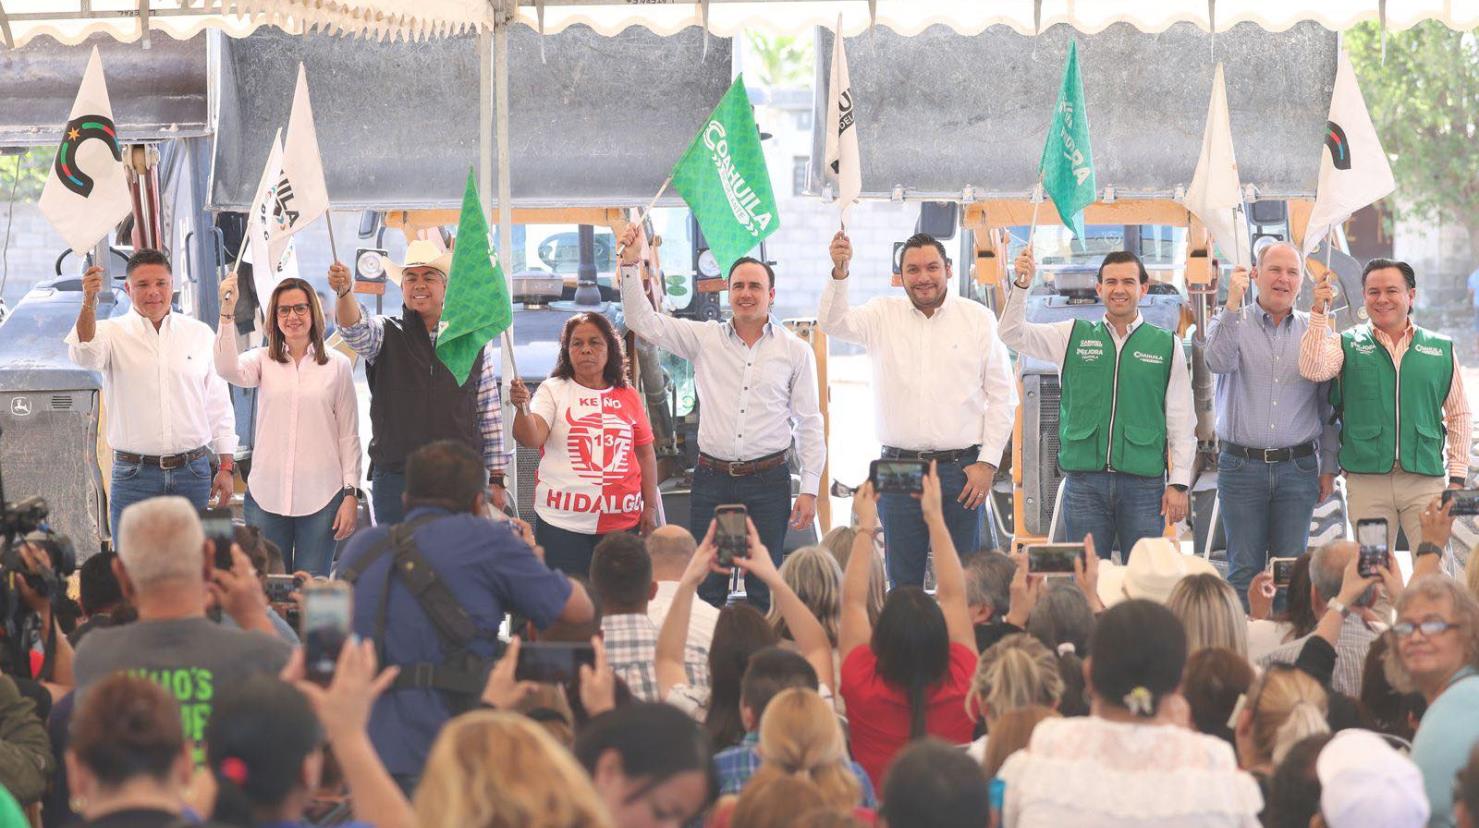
(742, 468)
(170, 461)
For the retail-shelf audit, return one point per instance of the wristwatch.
(1458, 481)
(1427, 548)
(1335, 604)
(1180, 487)
(351, 491)
(495, 478)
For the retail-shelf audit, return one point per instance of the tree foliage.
(1423, 100)
(785, 60)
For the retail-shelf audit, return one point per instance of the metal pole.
(505, 180)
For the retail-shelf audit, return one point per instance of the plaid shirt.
(631, 648)
(366, 337)
(1351, 647)
(736, 765)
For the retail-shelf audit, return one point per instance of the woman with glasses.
(1436, 653)
(302, 492)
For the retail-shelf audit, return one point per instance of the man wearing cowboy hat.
(414, 399)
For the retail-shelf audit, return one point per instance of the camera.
(25, 521)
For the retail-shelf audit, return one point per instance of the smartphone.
(326, 622)
(553, 662)
(280, 588)
(732, 532)
(898, 476)
(1053, 558)
(221, 531)
(1371, 537)
(1283, 571)
(1465, 501)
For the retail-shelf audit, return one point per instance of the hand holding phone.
(553, 662)
(898, 476)
(220, 530)
(326, 624)
(1053, 558)
(1465, 501)
(1374, 552)
(1282, 570)
(732, 532)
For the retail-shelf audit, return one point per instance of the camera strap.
(460, 672)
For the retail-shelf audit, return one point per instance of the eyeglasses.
(1405, 629)
(292, 310)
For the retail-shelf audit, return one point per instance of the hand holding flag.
(1215, 196)
(477, 307)
(1354, 170)
(843, 167)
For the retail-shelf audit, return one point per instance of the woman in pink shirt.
(303, 488)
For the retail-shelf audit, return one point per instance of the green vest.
(1113, 410)
(1389, 415)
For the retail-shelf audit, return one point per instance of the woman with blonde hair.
(1011, 733)
(1209, 609)
(1014, 673)
(470, 782)
(839, 542)
(816, 578)
(1282, 707)
(800, 737)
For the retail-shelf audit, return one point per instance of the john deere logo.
(20, 406)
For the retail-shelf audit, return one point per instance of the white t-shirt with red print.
(589, 480)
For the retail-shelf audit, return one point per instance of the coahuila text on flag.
(1067, 164)
(723, 178)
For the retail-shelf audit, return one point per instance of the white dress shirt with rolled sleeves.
(160, 392)
(941, 382)
(307, 445)
(755, 398)
(1049, 342)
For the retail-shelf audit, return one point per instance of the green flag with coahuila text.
(1067, 163)
(478, 306)
(723, 178)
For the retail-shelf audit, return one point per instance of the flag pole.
(1037, 200)
(329, 220)
(651, 205)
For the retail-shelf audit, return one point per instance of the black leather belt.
(742, 468)
(1278, 455)
(169, 461)
(947, 456)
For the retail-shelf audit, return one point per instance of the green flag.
(723, 178)
(478, 307)
(1067, 163)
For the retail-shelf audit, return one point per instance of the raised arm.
(836, 317)
(680, 336)
(949, 575)
(1221, 335)
(1320, 356)
(362, 332)
(673, 635)
(810, 636)
(85, 347)
(243, 371)
(854, 629)
(1035, 339)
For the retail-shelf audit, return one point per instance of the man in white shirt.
(167, 409)
(944, 392)
(1124, 404)
(671, 547)
(757, 391)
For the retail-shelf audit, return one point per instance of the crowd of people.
(593, 668)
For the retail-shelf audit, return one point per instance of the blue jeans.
(767, 497)
(1118, 509)
(1266, 509)
(906, 540)
(386, 491)
(307, 541)
(134, 482)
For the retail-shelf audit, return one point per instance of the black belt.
(168, 461)
(946, 456)
(742, 468)
(1278, 455)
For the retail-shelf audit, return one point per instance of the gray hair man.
(1327, 570)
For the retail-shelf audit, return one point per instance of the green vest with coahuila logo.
(1113, 410)
(1389, 414)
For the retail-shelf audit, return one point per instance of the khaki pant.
(1400, 497)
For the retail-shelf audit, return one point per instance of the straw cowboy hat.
(1154, 568)
(419, 253)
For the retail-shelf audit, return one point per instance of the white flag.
(1215, 197)
(266, 227)
(841, 157)
(86, 194)
(1354, 170)
(302, 195)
